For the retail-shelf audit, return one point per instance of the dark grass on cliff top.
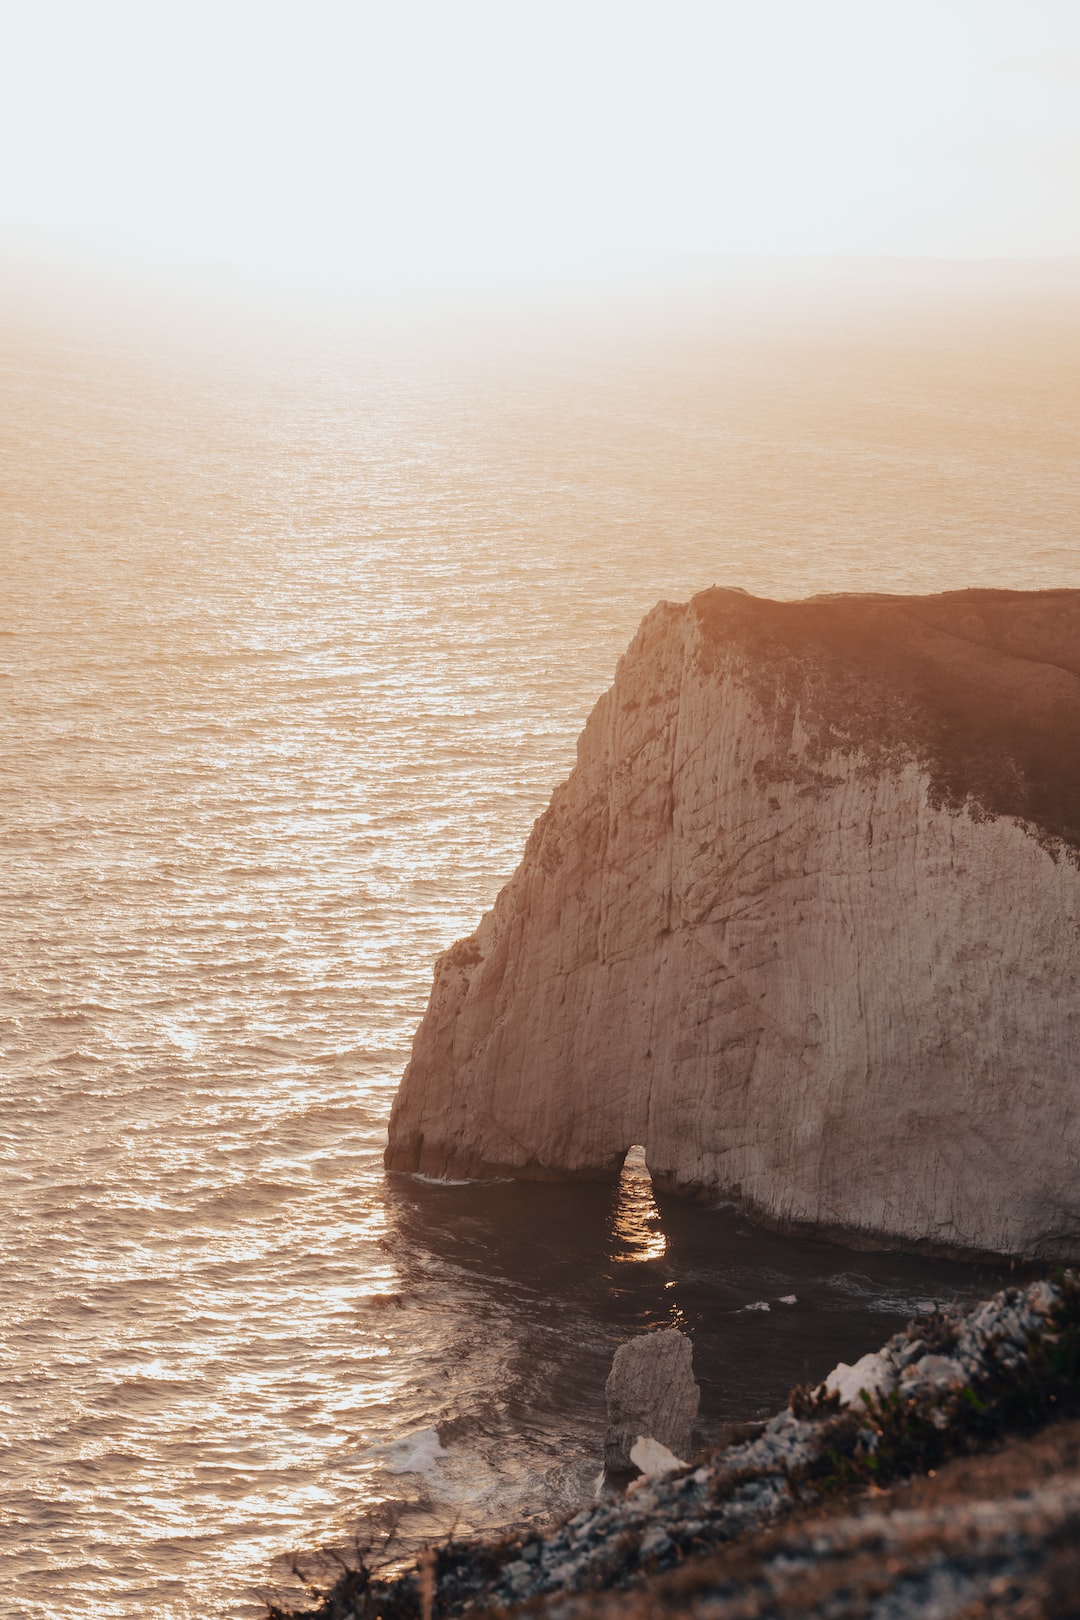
(982, 687)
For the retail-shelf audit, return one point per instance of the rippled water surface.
(295, 644)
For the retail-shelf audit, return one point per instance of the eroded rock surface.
(650, 1394)
(804, 920)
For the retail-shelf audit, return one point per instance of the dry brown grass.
(840, 1558)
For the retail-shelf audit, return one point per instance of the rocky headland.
(804, 921)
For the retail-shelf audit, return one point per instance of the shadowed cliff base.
(804, 921)
(581, 1266)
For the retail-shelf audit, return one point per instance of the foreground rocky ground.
(990, 1536)
(938, 1477)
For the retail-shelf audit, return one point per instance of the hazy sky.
(416, 139)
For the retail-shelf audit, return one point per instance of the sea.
(300, 619)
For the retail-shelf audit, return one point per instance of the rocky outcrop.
(650, 1395)
(795, 1517)
(804, 921)
(991, 1538)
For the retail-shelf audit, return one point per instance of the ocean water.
(297, 636)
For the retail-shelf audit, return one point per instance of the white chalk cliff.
(804, 920)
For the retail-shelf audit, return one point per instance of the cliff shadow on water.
(563, 1273)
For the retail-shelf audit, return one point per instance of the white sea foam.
(419, 1454)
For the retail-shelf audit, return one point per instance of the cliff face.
(804, 920)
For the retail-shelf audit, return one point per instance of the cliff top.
(981, 686)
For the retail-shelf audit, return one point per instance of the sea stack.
(650, 1394)
(804, 920)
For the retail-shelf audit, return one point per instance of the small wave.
(418, 1454)
(250, 1196)
(452, 1181)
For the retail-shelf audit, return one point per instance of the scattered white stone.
(873, 1373)
(932, 1372)
(563, 1575)
(652, 1458)
(758, 1305)
(789, 1299)
(1042, 1297)
(655, 1540)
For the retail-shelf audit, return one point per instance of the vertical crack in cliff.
(610, 826)
(671, 921)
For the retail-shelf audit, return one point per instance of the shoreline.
(952, 1385)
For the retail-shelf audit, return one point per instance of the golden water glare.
(635, 1229)
(294, 649)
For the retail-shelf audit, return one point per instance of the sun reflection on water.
(636, 1233)
(296, 654)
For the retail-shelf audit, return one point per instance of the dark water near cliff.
(294, 645)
